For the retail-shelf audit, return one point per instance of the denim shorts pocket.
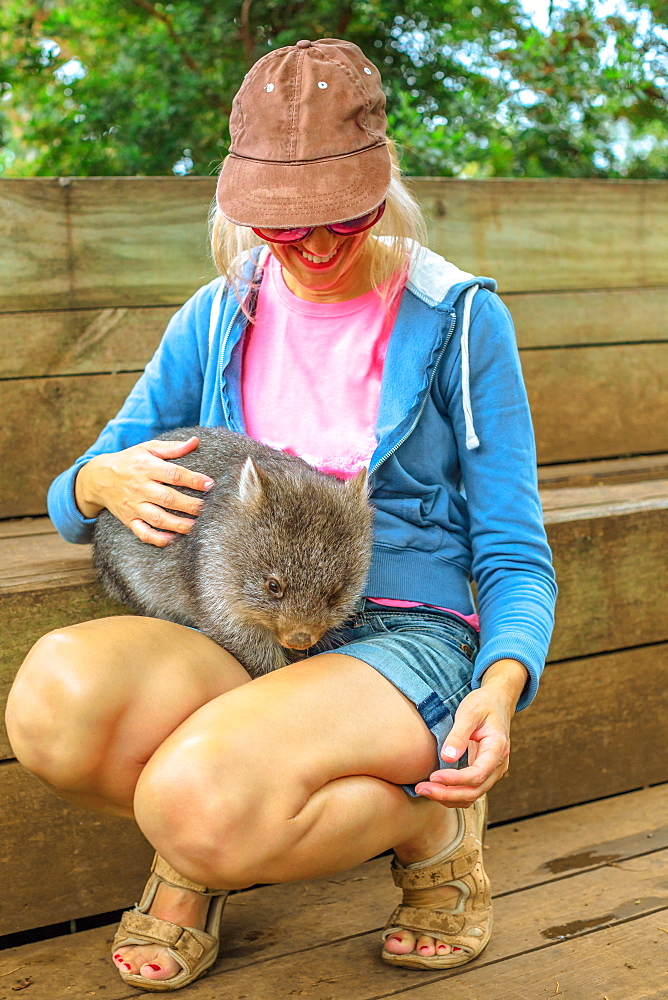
(459, 637)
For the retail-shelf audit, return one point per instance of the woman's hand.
(483, 718)
(136, 485)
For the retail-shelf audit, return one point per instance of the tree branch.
(245, 31)
(172, 33)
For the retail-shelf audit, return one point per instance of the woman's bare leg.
(91, 704)
(311, 757)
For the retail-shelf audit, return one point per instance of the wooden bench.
(84, 306)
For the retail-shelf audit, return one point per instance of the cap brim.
(281, 195)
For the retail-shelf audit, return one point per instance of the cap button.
(304, 44)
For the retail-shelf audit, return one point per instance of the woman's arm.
(511, 558)
(167, 395)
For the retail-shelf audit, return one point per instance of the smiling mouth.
(317, 260)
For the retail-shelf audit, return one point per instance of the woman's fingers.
(145, 533)
(156, 517)
(178, 475)
(459, 795)
(171, 499)
(492, 752)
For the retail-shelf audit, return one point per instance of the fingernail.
(208, 484)
(423, 791)
(449, 752)
(156, 968)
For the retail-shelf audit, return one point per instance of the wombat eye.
(274, 587)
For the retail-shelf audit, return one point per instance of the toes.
(400, 943)
(146, 964)
(154, 971)
(425, 947)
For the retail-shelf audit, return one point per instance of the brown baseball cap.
(308, 138)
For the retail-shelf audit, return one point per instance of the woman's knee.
(55, 707)
(230, 817)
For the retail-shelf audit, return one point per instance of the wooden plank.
(80, 341)
(540, 235)
(349, 967)
(56, 420)
(60, 860)
(562, 319)
(597, 402)
(85, 341)
(273, 921)
(137, 243)
(607, 567)
(23, 527)
(586, 736)
(34, 242)
(627, 962)
(602, 472)
(142, 241)
(28, 616)
(42, 562)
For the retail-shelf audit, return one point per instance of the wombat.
(278, 556)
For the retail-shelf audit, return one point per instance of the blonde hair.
(402, 227)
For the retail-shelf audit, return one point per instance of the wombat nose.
(298, 640)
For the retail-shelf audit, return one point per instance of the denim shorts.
(426, 653)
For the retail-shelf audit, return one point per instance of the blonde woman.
(332, 332)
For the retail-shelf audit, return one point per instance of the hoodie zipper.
(424, 401)
(221, 355)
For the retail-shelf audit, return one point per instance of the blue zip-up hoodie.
(453, 476)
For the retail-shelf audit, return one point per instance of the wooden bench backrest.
(94, 267)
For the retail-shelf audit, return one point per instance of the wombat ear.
(250, 483)
(359, 483)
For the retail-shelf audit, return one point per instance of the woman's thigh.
(92, 702)
(279, 739)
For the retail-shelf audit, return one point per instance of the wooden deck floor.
(581, 912)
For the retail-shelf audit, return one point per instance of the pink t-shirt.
(310, 380)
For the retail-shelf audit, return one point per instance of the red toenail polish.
(156, 968)
(117, 956)
(127, 966)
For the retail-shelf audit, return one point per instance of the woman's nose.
(321, 242)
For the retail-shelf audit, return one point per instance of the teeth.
(317, 260)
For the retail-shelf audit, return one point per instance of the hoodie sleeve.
(167, 395)
(511, 559)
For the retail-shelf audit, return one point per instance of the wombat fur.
(278, 556)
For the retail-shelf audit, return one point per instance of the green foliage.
(481, 94)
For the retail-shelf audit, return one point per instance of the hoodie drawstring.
(472, 440)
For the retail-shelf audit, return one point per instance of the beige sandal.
(193, 949)
(469, 925)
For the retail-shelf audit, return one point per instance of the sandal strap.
(424, 921)
(435, 875)
(170, 875)
(186, 944)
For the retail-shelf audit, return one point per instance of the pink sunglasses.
(349, 228)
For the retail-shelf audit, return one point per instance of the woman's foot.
(445, 916)
(442, 830)
(179, 906)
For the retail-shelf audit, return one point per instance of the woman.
(350, 348)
